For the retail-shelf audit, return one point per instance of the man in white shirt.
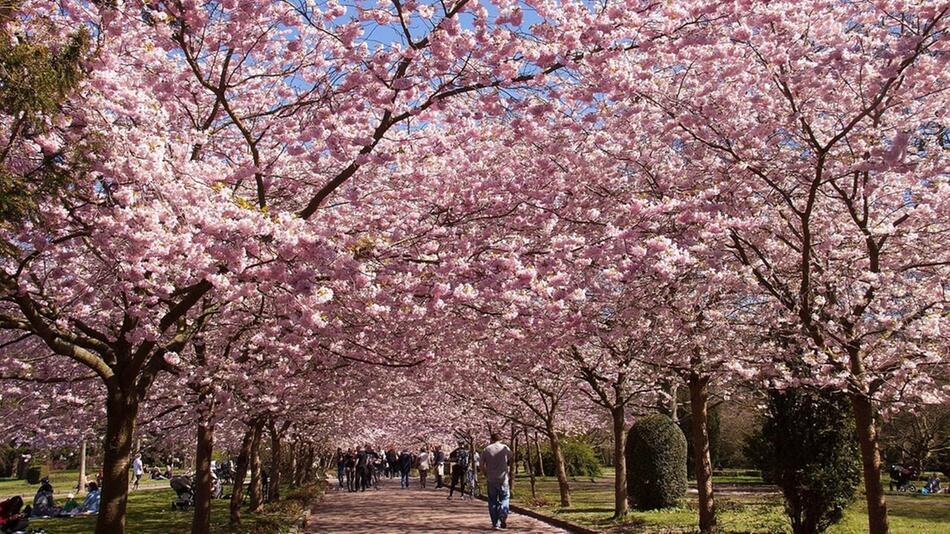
(137, 470)
(494, 464)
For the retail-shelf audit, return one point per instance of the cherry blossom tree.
(821, 130)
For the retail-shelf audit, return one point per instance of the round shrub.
(656, 463)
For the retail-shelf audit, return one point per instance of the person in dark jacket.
(392, 462)
(340, 465)
(405, 466)
(460, 460)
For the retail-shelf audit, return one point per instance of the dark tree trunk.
(121, 411)
(275, 452)
(256, 497)
(871, 460)
(301, 463)
(537, 444)
(292, 463)
(559, 469)
(308, 468)
(240, 472)
(618, 416)
(528, 467)
(698, 401)
(514, 461)
(201, 522)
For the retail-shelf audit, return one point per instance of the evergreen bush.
(656, 463)
(807, 447)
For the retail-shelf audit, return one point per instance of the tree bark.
(201, 522)
(121, 411)
(514, 461)
(698, 402)
(256, 497)
(871, 460)
(562, 485)
(674, 403)
(308, 468)
(275, 452)
(240, 472)
(537, 444)
(618, 416)
(528, 467)
(292, 463)
(81, 483)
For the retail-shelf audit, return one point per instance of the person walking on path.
(362, 473)
(405, 466)
(350, 470)
(392, 461)
(423, 464)
(459, 458)
(137, 471)
(340, 465)
(438, 458)
(494, 464)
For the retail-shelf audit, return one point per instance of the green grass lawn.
(149, 512)
(759, 512)
(63, 482)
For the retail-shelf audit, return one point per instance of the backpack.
(462, 458)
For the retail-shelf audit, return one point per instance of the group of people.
(15, 517)
(361, 468)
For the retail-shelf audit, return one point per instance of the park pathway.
(393, 510)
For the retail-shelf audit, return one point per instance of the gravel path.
(392, 509)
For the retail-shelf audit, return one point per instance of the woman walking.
(423, 462)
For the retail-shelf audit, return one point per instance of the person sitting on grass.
(70, 505)
(933, 485)
(43, 505)
(91, 505)
(12, 519)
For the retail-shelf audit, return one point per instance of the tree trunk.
(275, 453)
(618, 416)
(871, 460)
(514, 462)
(698, 402)
(562, 485)
(121, 411)
(528, 467)
(301, 463)
(240, 471)
(292, 463)
(308, 468)
(201, 522)
(537, 444)
(256, 497)
(81, 483)
(674, 403)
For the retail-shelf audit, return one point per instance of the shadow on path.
(392, 509)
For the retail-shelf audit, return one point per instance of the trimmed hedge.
(656, 463)
(580, 459)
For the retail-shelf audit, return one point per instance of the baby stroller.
(184, 489)
(901, 477)
(224, 471)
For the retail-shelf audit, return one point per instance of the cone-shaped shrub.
(656, 463)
